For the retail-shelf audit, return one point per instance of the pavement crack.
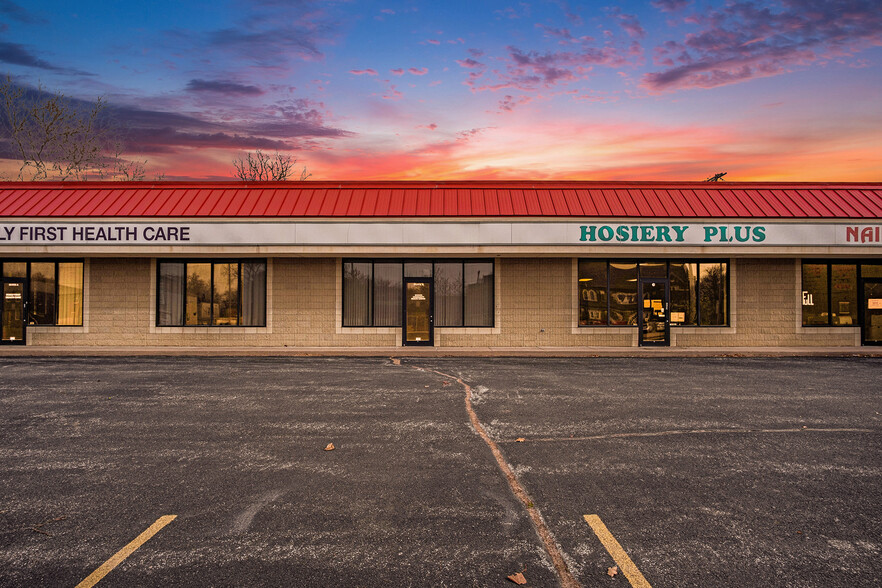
(686, 432)
(567, 580)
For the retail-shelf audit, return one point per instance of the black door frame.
(667, 305)
(431, 341)
(24, 309)
(862, 315)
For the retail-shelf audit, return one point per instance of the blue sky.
(667, 89)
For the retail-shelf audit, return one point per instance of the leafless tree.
(59, 138)
(261, 167)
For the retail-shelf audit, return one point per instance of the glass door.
(871, 331)
(653, 320)
(13, 322)
(418, 312)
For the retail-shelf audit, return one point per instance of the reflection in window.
(206, 293)
(712, 290)
(198, 293)
(387, 294)
(55, 290)
(42, 302)
(684, 277)
(226, 294)
(622, 293)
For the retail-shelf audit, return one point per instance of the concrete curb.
(108, 351)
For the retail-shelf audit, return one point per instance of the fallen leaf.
(330, 447)
(612, 571)
(518, 578)
(520, 440)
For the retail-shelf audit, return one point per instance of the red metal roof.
(439, 200)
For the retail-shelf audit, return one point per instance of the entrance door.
(418, 320)
(13, 322)
(653, 321)
(871, 331)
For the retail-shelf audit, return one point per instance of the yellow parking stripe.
(125, 552)
(618, 554)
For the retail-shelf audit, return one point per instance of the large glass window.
(712, 290)
(699, 291)
(55, 292)
(830, 292)
(593, 305)
(202, 293)
(357, 281)
(478, 294)
(372, 292)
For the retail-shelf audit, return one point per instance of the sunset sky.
(434, 90)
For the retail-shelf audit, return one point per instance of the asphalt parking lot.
(707, 471)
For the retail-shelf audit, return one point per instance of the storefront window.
(684, 309)
(463, 292)
(871, 270)
(55, 290)
(814, 294)
(712, 289)
(70, 294)
(592, 293)
(622, 293)
(830, 292)
(448, 294)
(15, 269)
(357, 279)
(226, 293)
(42, 301)
(843, 294)
(698, 290)
(478, 296)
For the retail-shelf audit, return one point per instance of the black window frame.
(829, 263)
(667, 261)
(211, 262)
(27, 281)
(405, 260)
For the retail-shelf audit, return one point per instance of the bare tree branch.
(261, 167)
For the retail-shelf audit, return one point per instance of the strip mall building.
(457, 264)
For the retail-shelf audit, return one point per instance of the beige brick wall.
(536, 305)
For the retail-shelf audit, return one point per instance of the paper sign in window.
(656, 305)
(678, 317)
(874, 304)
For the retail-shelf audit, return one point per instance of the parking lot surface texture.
(707, 471)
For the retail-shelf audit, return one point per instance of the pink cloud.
(418, 71)
(397, 72)
(746, 40)
(361, 72)
(433, 41)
